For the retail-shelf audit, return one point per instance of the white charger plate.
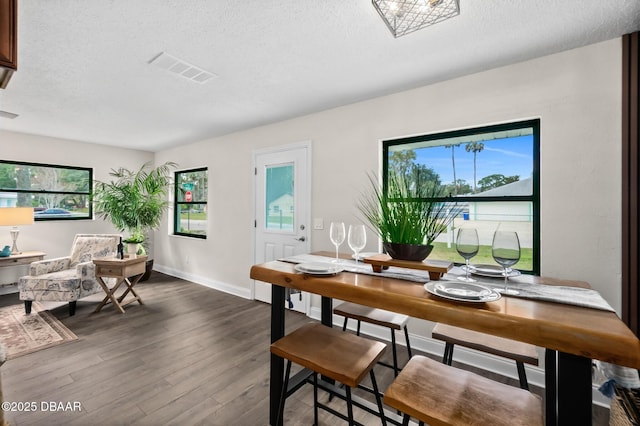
(492, 271)
(462, 292)
(318, 268)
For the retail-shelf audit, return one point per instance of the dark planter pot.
(403, 251)
(147, 272)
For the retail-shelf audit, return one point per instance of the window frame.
(534, 198)
(88, 193)
(177, 203)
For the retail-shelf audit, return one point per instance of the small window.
(191, 210)
(55, 192)
(492, 171)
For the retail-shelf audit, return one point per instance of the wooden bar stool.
(335, 354)
(391, 320)
(438, 394)
(518, 351)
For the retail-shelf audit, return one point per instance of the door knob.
(301, 238)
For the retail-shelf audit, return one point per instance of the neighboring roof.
(521, 187)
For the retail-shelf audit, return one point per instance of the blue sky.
(510, 156)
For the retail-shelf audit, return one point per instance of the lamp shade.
(14, 216)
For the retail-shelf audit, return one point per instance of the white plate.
(492, 271)
(318, 268)
(465, 292)
(462, 290)
(362, 256)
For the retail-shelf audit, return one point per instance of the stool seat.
(340, 356)
(512, 349)
(335, 354)
(439, 394)
(371, 315)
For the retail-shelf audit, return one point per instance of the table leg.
(110, 295)
(567, 389)
(130, 285)
(326, 311)
(277, 363)
(574, 390)
(550, 378)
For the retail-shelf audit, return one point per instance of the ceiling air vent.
(181, 68)
(7, 114)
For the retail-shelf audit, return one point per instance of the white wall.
(55, 237)
(575, 93)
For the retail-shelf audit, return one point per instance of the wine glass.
(357, 239)
(337, 234)
(467, 246)
(506, 252)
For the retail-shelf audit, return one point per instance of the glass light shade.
(406, 16)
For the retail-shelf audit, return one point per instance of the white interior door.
(282, 200)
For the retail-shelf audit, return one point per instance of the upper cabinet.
(8, 40)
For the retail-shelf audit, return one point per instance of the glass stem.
(467, 274)
(337, 252)
(505, 279)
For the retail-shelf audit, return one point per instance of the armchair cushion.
(60, 286)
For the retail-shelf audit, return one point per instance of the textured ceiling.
(84, 73)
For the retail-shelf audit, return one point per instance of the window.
(55, 192)
(492, 171)
(280, 197)
(191, 203)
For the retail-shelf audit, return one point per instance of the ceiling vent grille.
(7, 114)
(181, 68)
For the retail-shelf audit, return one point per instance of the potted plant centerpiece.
(134, 201)
(408, 216)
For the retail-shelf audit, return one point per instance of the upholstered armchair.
(68, 278)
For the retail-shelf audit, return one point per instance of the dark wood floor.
(189, 356)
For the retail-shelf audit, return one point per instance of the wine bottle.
(120, 249)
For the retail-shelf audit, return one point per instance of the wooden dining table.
(572, 335)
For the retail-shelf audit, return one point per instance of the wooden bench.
(390, 320)
(441, 395)
(518, 351)
(335, 354)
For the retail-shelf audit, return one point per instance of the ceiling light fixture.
(406, 16)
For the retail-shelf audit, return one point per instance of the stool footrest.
(371, 315)
(517, 351)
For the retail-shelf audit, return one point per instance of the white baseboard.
(207, 282)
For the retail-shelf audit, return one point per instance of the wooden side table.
(122, 270)
(16, 260)
(24, 258)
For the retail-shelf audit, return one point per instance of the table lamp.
(14, 216)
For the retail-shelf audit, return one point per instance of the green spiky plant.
(135, 200)
(408, 212)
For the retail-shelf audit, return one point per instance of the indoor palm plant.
(134, 201)
(408, 216)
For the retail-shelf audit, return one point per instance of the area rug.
(24, 334)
